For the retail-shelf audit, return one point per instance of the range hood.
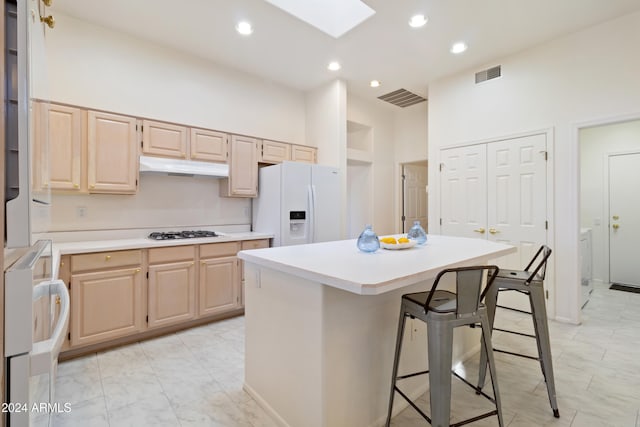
(183, 167)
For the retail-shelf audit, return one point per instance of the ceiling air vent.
(488, 74)
(402, 98)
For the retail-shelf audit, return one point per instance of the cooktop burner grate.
(189, 234)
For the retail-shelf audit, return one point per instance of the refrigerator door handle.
(311, 202)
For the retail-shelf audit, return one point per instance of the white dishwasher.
(586, 265)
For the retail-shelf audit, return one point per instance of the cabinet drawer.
(219, 249)
(255, 244)
(105, 260)
(171, 254)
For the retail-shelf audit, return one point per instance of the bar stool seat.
(443, 311)
(530, 283)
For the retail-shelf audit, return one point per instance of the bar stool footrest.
(526, 356)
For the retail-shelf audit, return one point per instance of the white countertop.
(341, 265)
(89, 246)
(144, 243)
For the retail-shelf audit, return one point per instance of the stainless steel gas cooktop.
(189, 234)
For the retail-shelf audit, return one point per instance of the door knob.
(616, 217)
(493, 231)
(479, 230)
(616, 226)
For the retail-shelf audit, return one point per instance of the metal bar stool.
(443, 311)
(529, 283)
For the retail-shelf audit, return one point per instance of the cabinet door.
(300, 153)
(58, 149)
(218, 285)
(105, 305)
(274, 152)
(164, 139)
(243, 168)
(172, 290)
(112, 153)
(208, 145)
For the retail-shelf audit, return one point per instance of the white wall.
(587, 75)
(326, 115)
(380, 119)
(410, 134)
(595, 144)
(95, 67)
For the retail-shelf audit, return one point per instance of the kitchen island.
(321, 325)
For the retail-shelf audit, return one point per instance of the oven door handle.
(44, 354)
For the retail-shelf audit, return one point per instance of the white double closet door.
(497, 191)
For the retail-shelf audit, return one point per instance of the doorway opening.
(414, 192)
(609, 171)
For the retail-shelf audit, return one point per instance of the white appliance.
(586, 265)
(36, 318)
(298, 203)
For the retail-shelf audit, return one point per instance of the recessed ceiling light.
(374, 83)
(458, 47)
(334, 66)
(244, 28)
(418, 21)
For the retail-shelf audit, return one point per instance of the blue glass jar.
(368, 240)
(417, 233)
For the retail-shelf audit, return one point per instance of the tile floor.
(194, 377)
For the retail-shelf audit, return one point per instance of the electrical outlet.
(81, 211)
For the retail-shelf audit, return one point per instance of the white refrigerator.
(298, 203)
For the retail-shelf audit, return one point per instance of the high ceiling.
(290, 52)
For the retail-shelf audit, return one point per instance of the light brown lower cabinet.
(172, 286)
(106, 296)
(219, 284)
(105, 305)
(111, 298)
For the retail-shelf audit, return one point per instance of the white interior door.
(624, 222)
(517, 197)
(415, 195)
(463, 191)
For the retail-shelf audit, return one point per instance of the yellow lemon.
(389, 240)
(403, 240)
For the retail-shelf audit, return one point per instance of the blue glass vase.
(368, 240)
(417, 233)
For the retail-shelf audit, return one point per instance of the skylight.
(334, 17)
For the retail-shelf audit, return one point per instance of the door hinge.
(147, 319)
(69, 336)
(404, 218)
(147, 274)
(141, 144)
(136, 182)
(440, 221)
(141, 128)
(546, 294)
(441, 166)
(546, 225)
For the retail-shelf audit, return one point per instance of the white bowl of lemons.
(393, 243)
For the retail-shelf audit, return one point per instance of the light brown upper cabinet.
(274, 151)
(82, 151)
(112, 153)
(164, 139)
(58, 150)
(180, 142)
(305, 154)
(208, 145)
(243, 168)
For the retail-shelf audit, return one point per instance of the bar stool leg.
(490, 301)
(440, 341)
(539, 311)
(396, 361)
(488, 352)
